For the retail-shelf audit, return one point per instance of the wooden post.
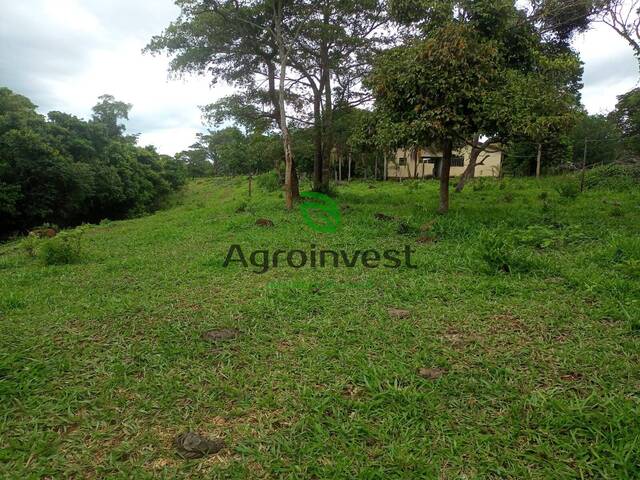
(539, 161)
(250, 179)
(584, 166)
(349, 169)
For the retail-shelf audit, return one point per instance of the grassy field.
(518, 358)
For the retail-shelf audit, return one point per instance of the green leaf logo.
(321, 213)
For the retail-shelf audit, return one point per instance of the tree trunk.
(291, 189)
(273, 96)
(385, 168)
(318, 184)
(470, 171)
(445, 173)
(328, 100)
(349, 168)
(539, 161)
(364, 166)
(415, 162)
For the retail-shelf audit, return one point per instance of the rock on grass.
(191, 445)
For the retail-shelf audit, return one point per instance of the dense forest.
(63, 170)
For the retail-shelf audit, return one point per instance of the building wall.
(490, 168)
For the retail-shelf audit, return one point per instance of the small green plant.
(509, 197)
(543, 196)
(501, 255)
(629, 268)
(569, 190)
(30, 244)
(269, 182)
(479, 184)
(64, 249)
(536, 236)
(617, 212)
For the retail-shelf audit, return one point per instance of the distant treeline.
(66, 171)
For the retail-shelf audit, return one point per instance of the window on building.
(457, 161)
(402, 162)
(431, 160)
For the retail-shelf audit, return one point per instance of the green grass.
(102, 364)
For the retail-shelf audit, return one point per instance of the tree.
(64, 170)
(599, 136)
(333, 54)
(539, 105)
(624, 17)
(627, 117)
(240, 42)
(109, 112)
(434, 89)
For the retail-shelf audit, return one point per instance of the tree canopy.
(63, 170)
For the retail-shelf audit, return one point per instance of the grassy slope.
(102, 365)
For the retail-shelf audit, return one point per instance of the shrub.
(568, 189)
(30, 244)
(500, 254)
(480, 184)
(617, 212)
(64, 249)
(270, 182)
(536, 236)
(614, 177)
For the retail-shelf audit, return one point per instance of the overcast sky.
(63, 54)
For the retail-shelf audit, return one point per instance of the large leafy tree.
(434, 89)
(109, 111)
(326, 45)
(246, 43)
(487, 70)
(627, 116)
(64, 170)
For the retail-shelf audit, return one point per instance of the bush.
(64, 249)
(568, 189)
(30, 244)
(614, 177)
(501, 254)
(270, 182)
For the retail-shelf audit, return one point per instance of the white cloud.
(74, 51)
(610, 69)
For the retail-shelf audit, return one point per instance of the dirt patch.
(428, 226)
(431, 373)
(427, 240)
(222, 335)
(352, 391)
(398, 313)
(43, 233)
(264, 222)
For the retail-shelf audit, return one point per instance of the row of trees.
(64, 170)
(443, 73)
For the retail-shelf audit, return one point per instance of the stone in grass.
(431, 373)
(191, 445)
(264, 222)
(398, 313)
(220, 335)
